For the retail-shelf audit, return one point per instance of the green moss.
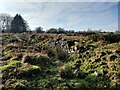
(11, 64)
(8, 53)
(33, 67)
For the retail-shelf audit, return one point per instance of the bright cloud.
(69, 15)
(59, 1)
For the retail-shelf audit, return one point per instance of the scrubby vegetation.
(34, 61)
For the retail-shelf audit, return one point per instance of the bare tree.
(5, 22)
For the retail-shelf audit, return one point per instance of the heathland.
(32, 61)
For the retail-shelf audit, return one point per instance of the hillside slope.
(33, 61)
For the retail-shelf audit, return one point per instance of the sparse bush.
(60, 54)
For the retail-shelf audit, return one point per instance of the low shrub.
(28, 70)
(36, 59)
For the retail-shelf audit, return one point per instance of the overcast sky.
(69, 15)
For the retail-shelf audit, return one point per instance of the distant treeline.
(17, 24)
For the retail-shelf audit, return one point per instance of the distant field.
(33, 61)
